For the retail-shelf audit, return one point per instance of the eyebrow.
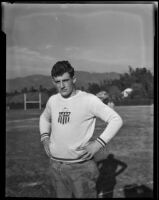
(67, 79)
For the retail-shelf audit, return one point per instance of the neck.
(74, 92)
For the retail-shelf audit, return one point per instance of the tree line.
(139, 79)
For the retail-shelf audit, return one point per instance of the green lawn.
(132, 150)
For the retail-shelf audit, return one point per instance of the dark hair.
(61, 67)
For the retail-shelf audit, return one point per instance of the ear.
(74, 80)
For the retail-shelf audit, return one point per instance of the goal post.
(30, 102)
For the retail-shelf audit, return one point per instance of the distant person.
(66, 127)
(105, 97)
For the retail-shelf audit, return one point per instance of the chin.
(65, 95)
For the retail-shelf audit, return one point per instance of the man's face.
(65, 84)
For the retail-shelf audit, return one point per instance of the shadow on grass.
(109, 169)
(137, 191)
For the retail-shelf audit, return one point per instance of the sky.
(92, 37)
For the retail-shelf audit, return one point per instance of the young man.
(66, 126)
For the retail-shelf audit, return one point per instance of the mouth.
(64, 90)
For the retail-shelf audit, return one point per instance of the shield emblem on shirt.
(64, 116)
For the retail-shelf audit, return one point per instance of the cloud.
(98, 34)
(23, 61)
(48, 46)
(16, 52)
(72, 49)
(98, 56)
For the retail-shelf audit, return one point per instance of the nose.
(61, 84)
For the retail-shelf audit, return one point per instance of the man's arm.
(114, 123)
(111, 117)
(45, 128)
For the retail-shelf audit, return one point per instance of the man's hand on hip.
(90, 149)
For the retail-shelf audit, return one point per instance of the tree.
(41, 88)
(24, 90)
(138, 91)
(16, 92)
(114, 92)
(32, 89)
(150, 92)
(52, 91)
(82, 88)
(125, 81)
(93, 88)
(143, 79)
(105, 85)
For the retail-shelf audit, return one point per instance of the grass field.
(126, 171)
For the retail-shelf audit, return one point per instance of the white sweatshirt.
(70, 123)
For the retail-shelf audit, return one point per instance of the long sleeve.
(45, 122)
(111, 117)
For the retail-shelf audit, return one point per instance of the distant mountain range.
(83, 79)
